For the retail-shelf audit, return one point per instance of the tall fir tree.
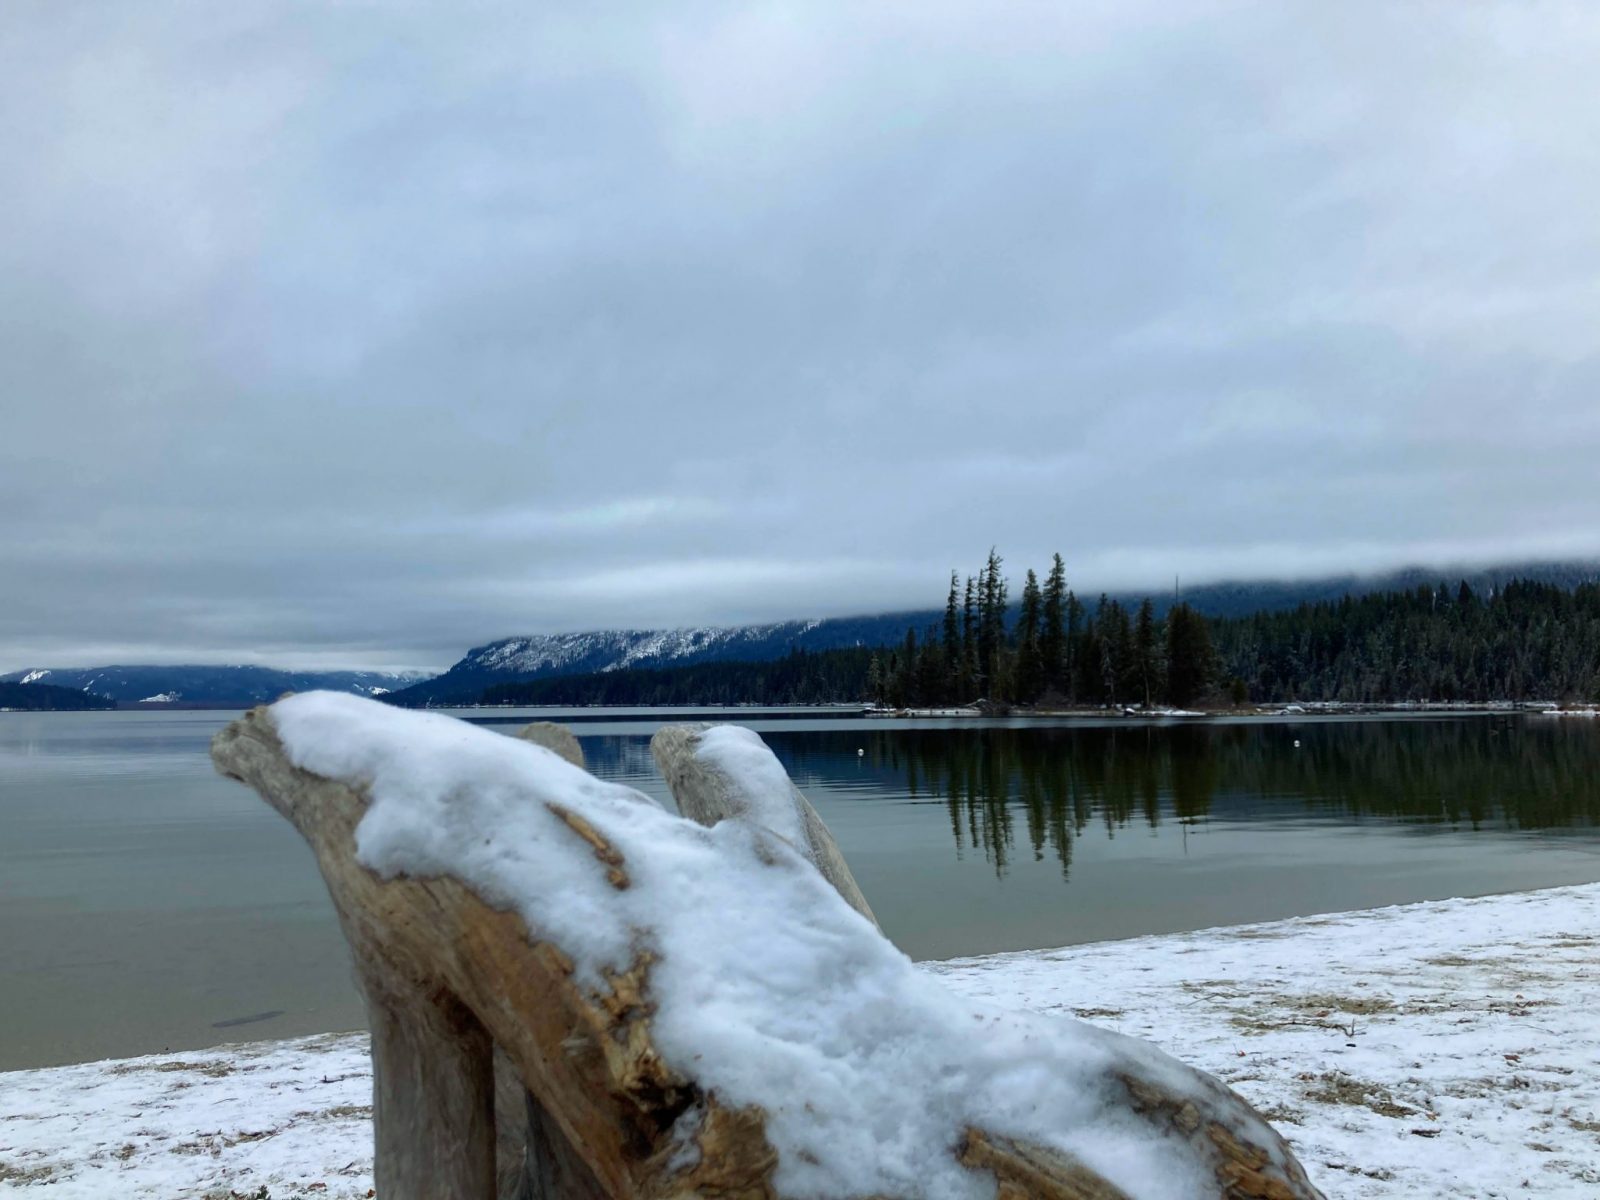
(1074, 633)
(952, 635)
(1116, 650)
(1191, 662)
(991, 622)
(905, 680)
(1028, 678)
(1145, 653)
(969, 644)
(1053, 631)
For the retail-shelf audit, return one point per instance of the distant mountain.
(41, 697)
(206, 686)
(542, 656)
(1242, 598)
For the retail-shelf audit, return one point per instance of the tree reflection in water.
(1054, 782)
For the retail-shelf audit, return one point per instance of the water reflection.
(146, 902)
(1038, 790)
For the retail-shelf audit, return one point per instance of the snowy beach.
(1447, 1049)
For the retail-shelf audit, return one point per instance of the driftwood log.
(449, 979)
(708, 795)
(532, 1158)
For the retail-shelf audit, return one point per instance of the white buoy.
(861, 753)
(1297, 743)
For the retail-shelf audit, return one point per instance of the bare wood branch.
(554, 737)
(707, 795)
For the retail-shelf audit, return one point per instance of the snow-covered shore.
(1449, 1049)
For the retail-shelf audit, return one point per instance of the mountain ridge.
(206, 685)
(541, 656)
(538, 656)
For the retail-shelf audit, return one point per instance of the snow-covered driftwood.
(532, 1159)
(554, 737)
(722, 772)
(694, 1010)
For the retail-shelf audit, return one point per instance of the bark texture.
(447, 978)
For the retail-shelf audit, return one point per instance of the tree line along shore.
(1049, 650)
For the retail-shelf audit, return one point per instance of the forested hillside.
(1519, 641)
(42, 697)
(802, 677)
(530, 657)
(1524, 641)
(207, 685)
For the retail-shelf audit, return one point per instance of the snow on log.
(554, 737)
(722, 772)
(695, 1009)
(533, 1160)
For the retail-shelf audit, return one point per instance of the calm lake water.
(146, 903)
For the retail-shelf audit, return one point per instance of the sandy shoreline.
(1445, 1049)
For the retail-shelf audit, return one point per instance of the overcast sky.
(362, 333)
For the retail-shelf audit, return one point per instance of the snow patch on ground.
(295, 1117)
(1449, 1049)
(1475, 1071)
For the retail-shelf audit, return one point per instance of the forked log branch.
(707, 791)
(448, 976)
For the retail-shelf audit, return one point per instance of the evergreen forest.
(44, 697)
(1521, 641)
(801, 677)
(1045, 647)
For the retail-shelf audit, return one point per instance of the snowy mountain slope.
(542, 655)
(209, 685)
(515, 659)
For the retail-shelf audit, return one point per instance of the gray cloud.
(362, 333)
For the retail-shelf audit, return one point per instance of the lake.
(146, 903)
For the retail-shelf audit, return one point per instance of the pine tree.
(1116, 650)
(991, 622)
(930, 669)
(1053, 633)
(1029, 678)
(951, 663)
(968, 680)
(909, 691)
(1074, 634)
(1191, 663)
(875, 682)
(1145, 666)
